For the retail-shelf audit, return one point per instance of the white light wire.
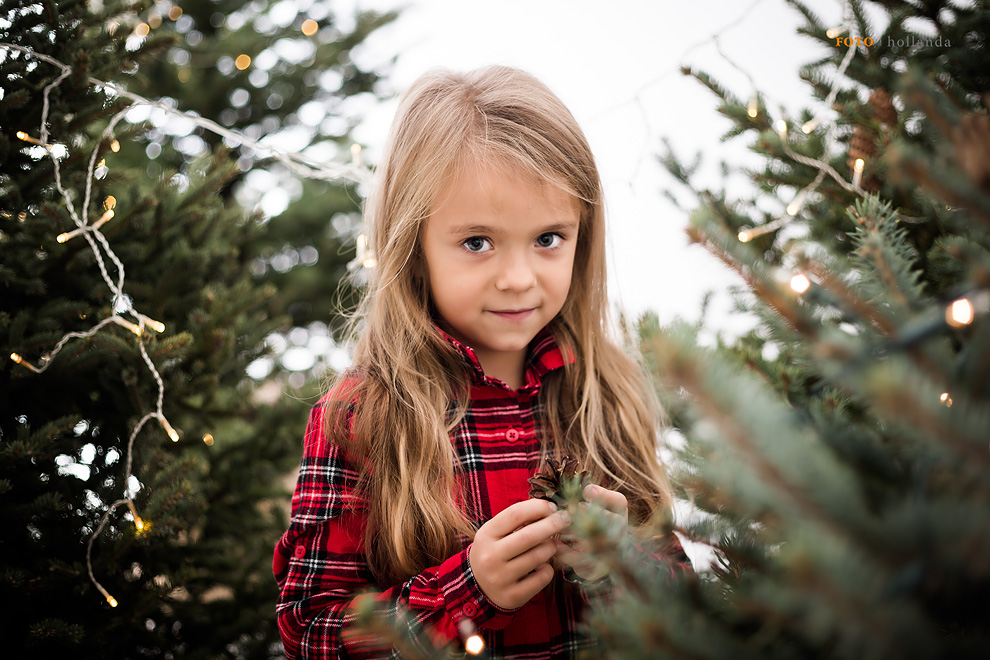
(299, 164)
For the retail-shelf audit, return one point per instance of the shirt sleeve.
(323, 575)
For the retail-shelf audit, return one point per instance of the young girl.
(482, 349)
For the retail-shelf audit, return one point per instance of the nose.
(515, 272)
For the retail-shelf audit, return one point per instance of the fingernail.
(566, 517)
(553, 507)
(591, 491)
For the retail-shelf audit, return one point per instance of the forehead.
(498, 191)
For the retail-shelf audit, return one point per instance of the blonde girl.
(482, 347)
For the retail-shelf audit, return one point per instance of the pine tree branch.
(826, 277)
(671, 361)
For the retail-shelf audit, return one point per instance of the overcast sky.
(616, 65)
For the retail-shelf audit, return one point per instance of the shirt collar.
(544, 356)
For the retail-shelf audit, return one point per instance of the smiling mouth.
(512, 311)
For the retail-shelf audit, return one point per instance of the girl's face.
(499, 251)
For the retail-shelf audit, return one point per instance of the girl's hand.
(510, 553)
(574, 552)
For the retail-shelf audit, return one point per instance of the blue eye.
(477, 244)
(554, 240)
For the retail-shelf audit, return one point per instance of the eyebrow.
(498, 231)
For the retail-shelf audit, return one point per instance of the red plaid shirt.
(320, 561)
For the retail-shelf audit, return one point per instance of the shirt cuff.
(596, 585)
(463, 597)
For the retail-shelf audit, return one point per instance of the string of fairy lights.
(297, 163)
(960, 312)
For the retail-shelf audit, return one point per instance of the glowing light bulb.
(115, 146)
(858, 171)
(142, 30)
(797, 203)
(24, 363)
(781, 127)
(309, 27)
(21, 135)
(370, 262)
(744, 236)
(139, 524)
(124, 323)
(832, 33)
(111, 600)
(172, 433)
(959, 313)
(157, 326)
(175, 12)
(106, 217)
(800, 283)
(809, 125)
(356, 154)
(208, 439)
(474, 644)
(243, 61)
(753, 109)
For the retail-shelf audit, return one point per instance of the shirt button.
(512, 435)
(299, 552)
(469, 609)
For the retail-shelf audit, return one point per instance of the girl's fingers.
(517, 516)
(567, 554)
(533, 583)
(579, 560)
(533, 534)
(610, 500)
(531, 559)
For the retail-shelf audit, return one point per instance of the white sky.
(616, 65)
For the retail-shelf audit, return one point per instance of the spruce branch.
(683, 367)
(737, 257)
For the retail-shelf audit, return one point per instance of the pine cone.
(883, 107)
(546, 484)
(861, 145)
(971, 139)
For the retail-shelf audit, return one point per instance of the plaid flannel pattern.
(320, 562)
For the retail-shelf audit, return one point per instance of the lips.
(513, 314)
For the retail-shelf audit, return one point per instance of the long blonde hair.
(412, 385)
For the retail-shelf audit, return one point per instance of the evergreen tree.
(837, 455)
(195, 579)
(283, 73)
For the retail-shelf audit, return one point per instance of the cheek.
(567, 271)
